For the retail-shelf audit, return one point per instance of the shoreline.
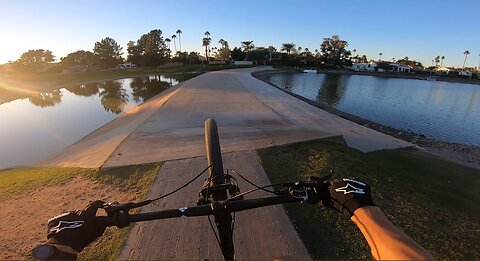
(464, 154)
(50, 86)
(396, 75)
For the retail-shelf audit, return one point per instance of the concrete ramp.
(95, 148)
(250, 113)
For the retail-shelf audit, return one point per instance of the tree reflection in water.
(333, 89)
(85, 90)
(144, 88)
(46, 99)
(113, 97)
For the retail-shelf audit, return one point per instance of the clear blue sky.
(419, 29)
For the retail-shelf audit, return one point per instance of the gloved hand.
(77, 228)
(347, 195)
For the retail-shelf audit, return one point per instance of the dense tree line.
(152, 49)
(149, 50)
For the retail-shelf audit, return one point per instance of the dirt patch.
(24, 216)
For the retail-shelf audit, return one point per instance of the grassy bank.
(433, 201)
(18, 85)
(134, 180)
(60, 79)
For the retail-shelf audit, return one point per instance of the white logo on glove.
(349, 188)
(66, 224)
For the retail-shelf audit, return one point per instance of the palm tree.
(380, 54)
(179, 32)
(299, 49)
(167, 40)
(307, 51)
(247, 46)
(466, 53)
(206, 42)
(442, 58)
(288, 47)
(364, 58)
(174, 44)
(354, 51)
(437, 60)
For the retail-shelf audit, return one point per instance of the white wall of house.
(243, 62)
(398, 67)
(364, 67)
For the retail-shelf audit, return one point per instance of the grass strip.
(434, 201)
(136, 180)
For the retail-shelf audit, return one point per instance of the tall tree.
(179, 32)
(380, 54)
(334, 51)
(174, 37)
(238, 54)
(288, 47)
(224, 51)
(437, 60)
(34, 60)
(442, 58)
(247, 46)
(108, 52)
(150, 49)
(206, 42)
(81, 58)
(466, 53)
(167, 41)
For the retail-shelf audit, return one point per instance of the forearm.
(387, 241)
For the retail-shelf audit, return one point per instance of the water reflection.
(46, 99)
(145, 88)
(332, 89)
(443, 110)
(113, 97)
(85, 90)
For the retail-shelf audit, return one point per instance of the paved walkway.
(260, 234)
(250, 114)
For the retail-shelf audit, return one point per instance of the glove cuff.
(353, 204)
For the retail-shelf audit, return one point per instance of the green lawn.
(132, 179)
(62, 79)
(433, 201)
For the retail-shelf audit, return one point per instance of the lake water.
(442, 110)
(35, 127)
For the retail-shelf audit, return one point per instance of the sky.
(420, 29)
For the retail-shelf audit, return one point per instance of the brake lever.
(117, 214)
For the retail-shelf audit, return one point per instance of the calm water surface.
(442, 110)
(35, 127)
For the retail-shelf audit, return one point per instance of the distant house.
(364, 67)
(126, 65)
(275, 56)
(398, 67)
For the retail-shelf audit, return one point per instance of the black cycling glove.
(347, 194)
(77, 228)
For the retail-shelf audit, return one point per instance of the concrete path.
(250, 114)
(260, 234)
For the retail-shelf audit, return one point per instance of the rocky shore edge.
(467, 155)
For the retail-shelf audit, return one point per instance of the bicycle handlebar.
(122, 219)
(118, 214)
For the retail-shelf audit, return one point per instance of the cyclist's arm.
(387, 241)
